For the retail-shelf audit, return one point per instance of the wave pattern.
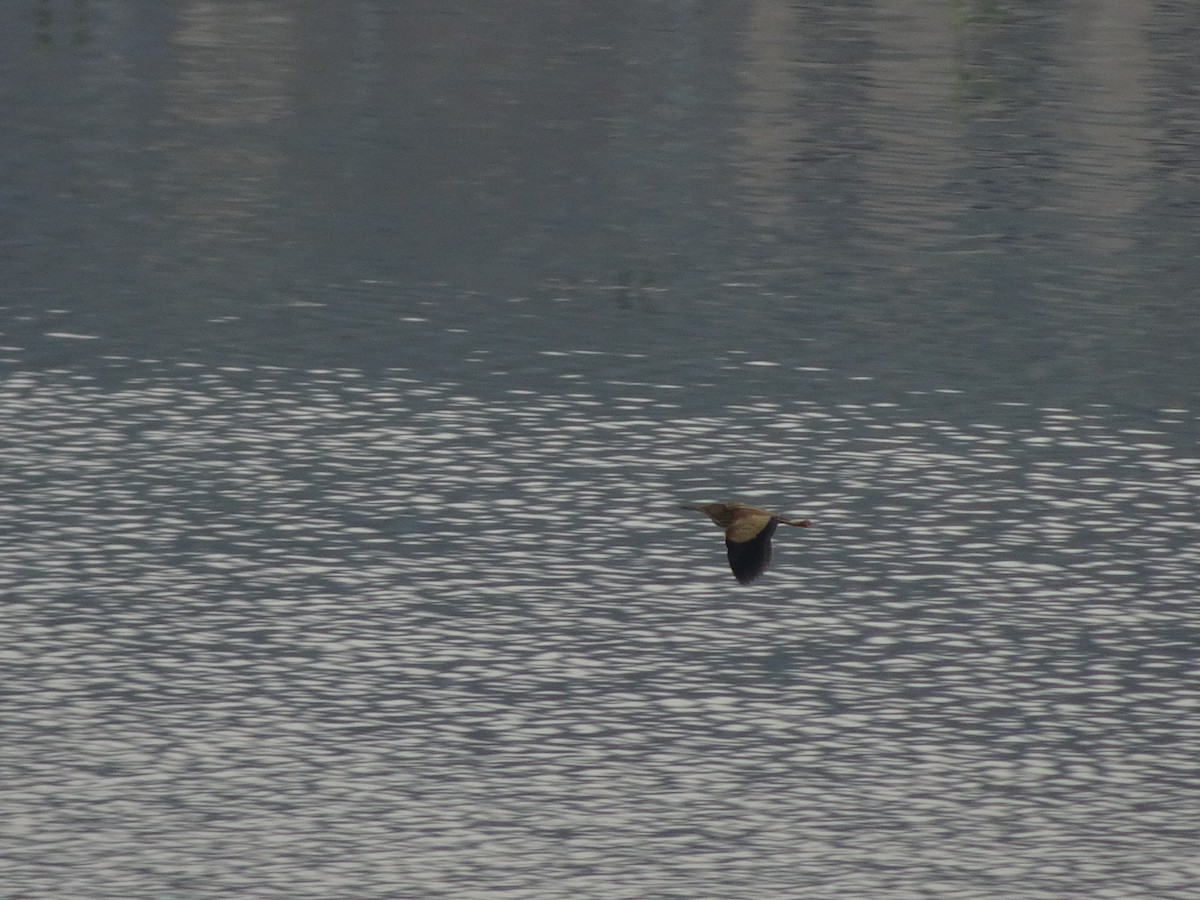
(317, 633)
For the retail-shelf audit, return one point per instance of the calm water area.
(356, 357)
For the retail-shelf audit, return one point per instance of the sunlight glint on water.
(295, 611)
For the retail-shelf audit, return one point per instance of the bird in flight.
(748, 531)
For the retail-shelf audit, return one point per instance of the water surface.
(356, 361)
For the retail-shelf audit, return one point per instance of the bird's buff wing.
(747, 526)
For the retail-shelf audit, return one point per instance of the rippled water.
(314, 633)
(355, 359)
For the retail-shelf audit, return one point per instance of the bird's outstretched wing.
(748, 559)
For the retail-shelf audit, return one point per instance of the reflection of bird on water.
(748, 531)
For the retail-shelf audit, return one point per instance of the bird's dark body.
(749, 559)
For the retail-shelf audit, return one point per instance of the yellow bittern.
(748, 531)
